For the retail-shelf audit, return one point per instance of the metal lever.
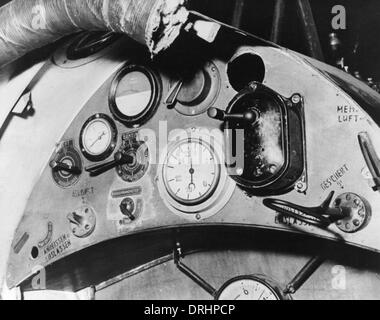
(371, 158)
(321, 216)
(119, 159)
(60, 166)
(250, 116)
(173, 93)
(306, 272)
(190, 273)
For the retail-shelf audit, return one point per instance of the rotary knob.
(359, 212)
(82, 221)
(127, 208)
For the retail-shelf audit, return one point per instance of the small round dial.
(98, 137)
(248, 288)
(191, 171)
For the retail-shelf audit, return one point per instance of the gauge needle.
(191, 171)
(238, 297)
(99, 138)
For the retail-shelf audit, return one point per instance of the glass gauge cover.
(134, 95)
(248, 288)
(98, 137)
(191, 171)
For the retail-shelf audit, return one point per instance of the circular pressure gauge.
(191, 171)
(98, 137)
(134, 95)
(249, 288)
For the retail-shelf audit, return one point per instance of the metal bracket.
(306, 272)
(177, 254)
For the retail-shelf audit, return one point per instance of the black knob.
(61, 166)
(127, 208)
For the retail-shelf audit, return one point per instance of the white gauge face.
(133, 94)
(191, 172)
(248, 289)
(97, 137)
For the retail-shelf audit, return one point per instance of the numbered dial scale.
(250, 288)
(193, 180)
(98, 137)
(191, 172)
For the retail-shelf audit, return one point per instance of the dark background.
(363, 26)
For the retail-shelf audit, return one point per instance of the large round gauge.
(134, 96)
(248, 288)
(98, 137)
(191, 171)
(193, 180)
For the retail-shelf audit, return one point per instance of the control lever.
(120, 158)
(371, 158)
(177, 255)
(250, 116)
(321, 216)
(173, 93)
(61, 166)
(305, 273)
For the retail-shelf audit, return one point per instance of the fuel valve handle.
(249, 117)
(120, 158)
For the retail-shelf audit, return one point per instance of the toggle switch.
(127, 208)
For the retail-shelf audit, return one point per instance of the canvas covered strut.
(28, 25)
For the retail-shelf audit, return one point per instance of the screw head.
(253, 86)
(296, 99)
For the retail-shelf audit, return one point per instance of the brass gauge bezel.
(112, 145)
(152, 106)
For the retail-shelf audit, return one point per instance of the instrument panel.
(153, 150)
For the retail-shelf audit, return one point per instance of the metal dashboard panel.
(332, 148)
